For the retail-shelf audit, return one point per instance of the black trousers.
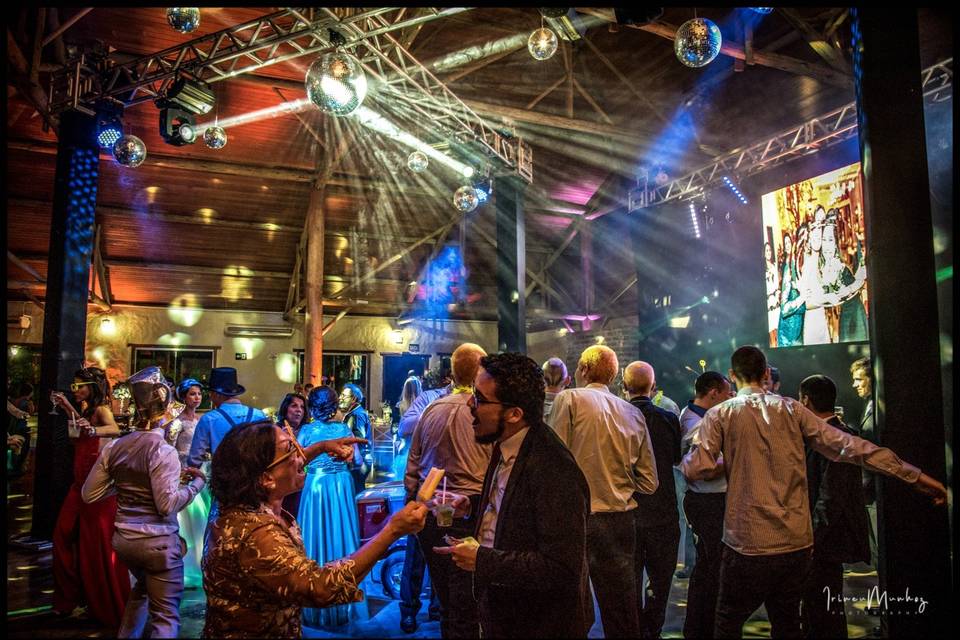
(656, 553)
(411, 580)
(611, 544)
(775, 581)
(459, 617)
(704, 512)
(822, 614)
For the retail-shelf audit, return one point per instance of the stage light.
(109, 125)
(190, 95)
(483, 189)
(184, 19)
(694, 221)
(177, 126)
(679, 322)
(465, 199)
(542, 44)
(733, 187)
(468, 172)
(697, 42)
(417, 161)
(215, 137)
(335, 81)
(130, 151)
(564, 21)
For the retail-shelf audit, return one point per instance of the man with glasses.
(529, 570)
(443, 438)
(608, 438)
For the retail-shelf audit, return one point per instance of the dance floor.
(30, 594)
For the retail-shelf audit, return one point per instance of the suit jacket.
(534, 581)
(840, 524)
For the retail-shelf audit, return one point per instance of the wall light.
(108, 327)
(396, 336)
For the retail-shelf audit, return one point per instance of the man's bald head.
(465, 363)
(639, 378)
(597, 364)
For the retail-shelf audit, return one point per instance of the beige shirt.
(509, 449)
(443, 438)
(762, 438)
(608, 438)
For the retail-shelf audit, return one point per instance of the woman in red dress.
(85, 568)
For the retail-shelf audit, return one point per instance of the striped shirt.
(761, 437)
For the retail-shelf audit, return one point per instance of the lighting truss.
(403, 77)
(275, 37)
(817, 133)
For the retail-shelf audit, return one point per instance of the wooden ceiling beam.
(817, 41)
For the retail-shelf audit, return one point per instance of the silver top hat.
(152, 395)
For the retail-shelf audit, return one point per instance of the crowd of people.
(553, 489)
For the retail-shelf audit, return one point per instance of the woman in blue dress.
(328, 515)
(792, 305)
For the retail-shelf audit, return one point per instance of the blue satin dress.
(328, 518)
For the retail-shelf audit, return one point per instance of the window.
(344, 367)
(177, 363)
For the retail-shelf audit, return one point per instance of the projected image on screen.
(815, 258)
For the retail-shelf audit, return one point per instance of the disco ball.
(698, 42)
(130, 151)
(465, 199)
(336, 83)
(184, 19)
(417, 161)
(542, 44)
(215, 137)
(661, 178)
(762, 10)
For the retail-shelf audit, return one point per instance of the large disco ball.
(465, 199)
(130, 151)
(336, 83)
(698, 42)
(184, 19)
(215, 137)
(542, 44)
(417, 161)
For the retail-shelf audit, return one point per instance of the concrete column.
(511, 265)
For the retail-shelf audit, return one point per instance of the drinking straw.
(444, 495)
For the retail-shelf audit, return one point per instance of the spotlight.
(177, 127)
(484, 189)
(564, 22)
(109, 125)
(191, 95)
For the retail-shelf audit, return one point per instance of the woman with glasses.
(256, 574)
(85, 568)
(193, 518)
(328, 515)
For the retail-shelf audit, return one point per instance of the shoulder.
(103, 412)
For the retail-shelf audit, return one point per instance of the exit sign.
(241, 356)
(414, 348)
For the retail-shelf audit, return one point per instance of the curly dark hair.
(322, 403)
(285, 404)
(99, 392)
(519, 383)
(242, 457)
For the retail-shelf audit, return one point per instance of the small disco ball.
(184, 19)
(215, 137)
(130, 151)
(336, 83)
(661, 178)
(417, 161)
(542, 44)
(465, 199)
(698, 42)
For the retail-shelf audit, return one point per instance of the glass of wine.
(53, 401)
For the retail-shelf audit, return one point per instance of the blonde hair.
(600, 362)
(465, 363)
(411, 389)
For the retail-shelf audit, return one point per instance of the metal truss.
(823, 131)
(276, 37)
(403, 77)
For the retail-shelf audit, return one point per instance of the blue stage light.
(109, 124)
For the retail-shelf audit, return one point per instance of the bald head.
(465, 363)
(597, 364)
(639, 378)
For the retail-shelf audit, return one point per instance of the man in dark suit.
(530, 568)
(840, 526)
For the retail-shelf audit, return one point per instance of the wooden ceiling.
(223, 226)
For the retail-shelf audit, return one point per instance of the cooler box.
(374, 506)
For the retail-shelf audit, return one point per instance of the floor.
(30, 593)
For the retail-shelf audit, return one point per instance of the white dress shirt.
(509, 449)
(690, 428)
(608, 438)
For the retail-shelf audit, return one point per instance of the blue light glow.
(734, 189)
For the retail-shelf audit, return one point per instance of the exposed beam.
(32, 91)
(25, 267)
(327, 327)
(480, 64)
(545, 93)
(37, 46)
(626, 82)
(571, 234)
(66, 25)
(817, 41)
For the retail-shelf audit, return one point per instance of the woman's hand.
(410, 519)
(192, 472)
(85, 427)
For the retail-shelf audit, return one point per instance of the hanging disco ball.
(215, 137)
(130, 151)
(336, 83)
(762, 10)
(417, 161)
(465, 199)
(184, 19)
(542, 44)
(698, 42)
